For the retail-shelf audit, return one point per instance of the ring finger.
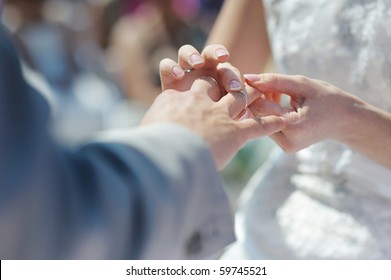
(189, 58)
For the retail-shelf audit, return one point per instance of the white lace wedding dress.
(326, 201)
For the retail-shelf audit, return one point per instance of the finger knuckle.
(301, 78)
(271, 79)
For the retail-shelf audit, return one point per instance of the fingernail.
(252, 77)
(234, 85)
(221, 52)
(196, 59)
(178, 72)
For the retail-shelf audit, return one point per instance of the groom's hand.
(212, 62)
(212, 120)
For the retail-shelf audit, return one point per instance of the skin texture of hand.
(211, 62)
(318, 110)
(228, 78)
(322, 111)
(212, 120)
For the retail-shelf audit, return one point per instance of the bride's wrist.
(353, 119)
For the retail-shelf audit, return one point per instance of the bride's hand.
(318, 110)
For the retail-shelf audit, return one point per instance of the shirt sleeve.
(146, 193)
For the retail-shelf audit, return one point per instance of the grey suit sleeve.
(151, 192)
(184, 211)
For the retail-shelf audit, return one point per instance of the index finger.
(293, 85)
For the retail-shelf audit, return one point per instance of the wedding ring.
(245, 96)
(188, 70)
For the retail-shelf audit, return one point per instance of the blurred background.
(97, 62)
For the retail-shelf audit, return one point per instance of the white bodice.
(345, 42)
(326, 201)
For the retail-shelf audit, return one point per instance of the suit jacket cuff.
(188, 213)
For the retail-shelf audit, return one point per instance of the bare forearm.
(241, 28)
(370, 133)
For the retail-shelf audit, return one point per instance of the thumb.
(258, 127)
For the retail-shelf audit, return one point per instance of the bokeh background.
(97, 62)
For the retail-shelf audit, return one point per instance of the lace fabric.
(326, 201)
